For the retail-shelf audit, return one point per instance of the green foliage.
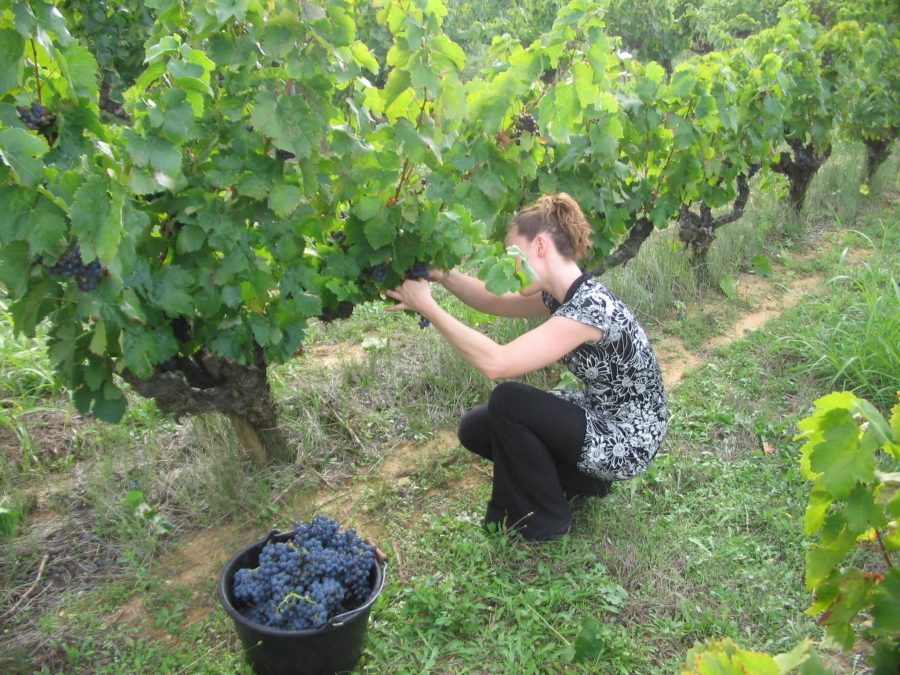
(115, 32)
(724, 657)
(851, 454)
(9, 519)
(271, 159)
(472, 23)
(651, 31)
(863, 57)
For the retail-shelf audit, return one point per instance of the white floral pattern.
(623, 398)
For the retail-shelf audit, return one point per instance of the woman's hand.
(414, 294)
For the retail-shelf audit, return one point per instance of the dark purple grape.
(379, 273)
(418, 271)
(71, 265)
(526, 122)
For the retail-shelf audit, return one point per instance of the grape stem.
(884, 551)
(407, 171)
(37, 73)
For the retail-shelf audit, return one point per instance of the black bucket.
(334, 648)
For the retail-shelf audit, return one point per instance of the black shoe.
(597, 488)
(559, 534)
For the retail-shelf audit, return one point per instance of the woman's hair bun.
(559, 215)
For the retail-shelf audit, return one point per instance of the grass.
(707, 543)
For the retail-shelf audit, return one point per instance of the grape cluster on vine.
(36, 117)
(321, 571)
(526, 122)
(71, 265)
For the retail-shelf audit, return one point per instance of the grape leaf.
(14, 265)
(886, 605)
(839, 457)
(46, 227)
(12, 48)
(80, 69)
(19, 150)
(110, 407)
(821, 559)
(284, 199)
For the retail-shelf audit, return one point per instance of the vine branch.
(884, 552)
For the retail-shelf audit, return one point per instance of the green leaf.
(886, 605)
(19, 150)
(12, 49)
(862, 512)
(284, 199)
(110, 407)
(490, 185)
(368, 207)
(821, 559)
(158, 153)
(380, 232)
(288, 121)
(839, 457)
(762, 265)
(14, 268)
(655, 72)
(80, 69)
(813, 519)
(139, 351)
(364, 57)
(588, 644)
(46, 229)
(98, 342)
(444, 46)
(398, 82)
(877, 424)
(173, 291)
(729, 287)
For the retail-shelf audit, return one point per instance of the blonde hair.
(560, 216)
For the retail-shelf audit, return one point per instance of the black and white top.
(623, 398)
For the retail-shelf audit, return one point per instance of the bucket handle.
(341, 619)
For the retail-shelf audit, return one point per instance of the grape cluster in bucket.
(300, 584)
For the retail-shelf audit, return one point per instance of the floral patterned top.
(623, 399)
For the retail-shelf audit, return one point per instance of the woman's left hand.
(414, 294)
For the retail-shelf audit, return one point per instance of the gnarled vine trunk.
(877, 151)
(210, 383)
(800, 169)
(629, 248)
(697, 231)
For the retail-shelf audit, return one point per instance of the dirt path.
(769, 299)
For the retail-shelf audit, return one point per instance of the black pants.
(534, 440)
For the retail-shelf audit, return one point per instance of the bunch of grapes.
(526, 122)
(300, 584)
(71, 265)
(378, 273)
(36, 117)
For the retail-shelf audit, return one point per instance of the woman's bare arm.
(475, 294)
